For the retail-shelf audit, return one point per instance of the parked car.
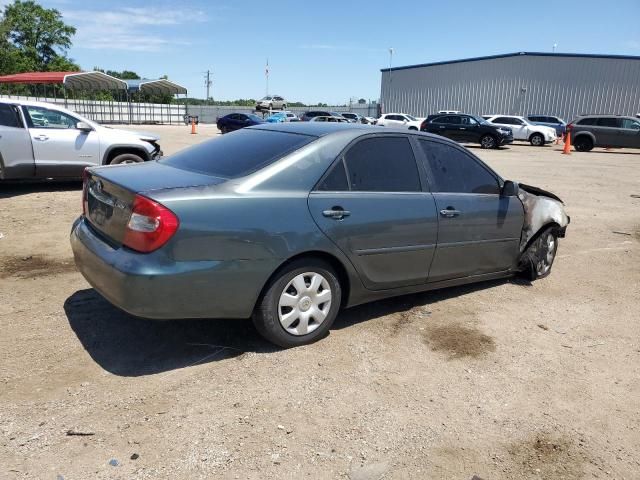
(353, 117)
(306, 116)
(280, 117)
(235, 121)
(371, 120)
(399, 120)
(549, 121)
(323, 118)
(271, 102)
(39, 140)
(467, 129)
(523, 129)
(290, 222)
(604, 131)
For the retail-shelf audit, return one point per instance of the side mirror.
(509, 189)
(84, 126)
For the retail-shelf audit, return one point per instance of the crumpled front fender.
(541, 208)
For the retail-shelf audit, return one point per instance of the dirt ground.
(503, 380)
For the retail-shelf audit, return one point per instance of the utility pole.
(208, 83)
(266, 74)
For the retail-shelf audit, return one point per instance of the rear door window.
(504, 120)
(588, 121)
(238, 154)
(336, 180)
(454, 171)
(382, 164)
(609, 122)
(9, 116)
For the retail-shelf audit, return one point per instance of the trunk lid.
(109, 192)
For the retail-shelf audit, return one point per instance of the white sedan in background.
(399, 120)
(523, 129)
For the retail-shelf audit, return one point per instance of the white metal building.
(521, 83)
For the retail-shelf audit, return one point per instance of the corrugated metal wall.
(518, 85)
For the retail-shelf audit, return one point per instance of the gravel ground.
(504, 380)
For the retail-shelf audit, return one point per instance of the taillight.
(150, 226)
(569, 127)
(85, 188)
(423, 125)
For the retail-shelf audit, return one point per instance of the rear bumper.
(154, 286)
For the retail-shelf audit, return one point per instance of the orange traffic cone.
(193, 126)
(567, 144)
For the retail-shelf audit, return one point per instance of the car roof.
(30, 103)
(353, 130)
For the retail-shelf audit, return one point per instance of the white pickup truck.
(40, 140)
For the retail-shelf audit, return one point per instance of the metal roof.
(160, 86)
(71, 80)
(515, 54)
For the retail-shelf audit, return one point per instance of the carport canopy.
(160, 86)
(70, 80)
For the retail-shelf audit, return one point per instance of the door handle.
(450, 212)
(41, 138)
(463, 128)
(337, 213)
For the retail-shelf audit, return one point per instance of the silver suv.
(271, 102)
(616, 131)
(42, 140)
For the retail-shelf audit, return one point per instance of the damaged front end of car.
(545, 220)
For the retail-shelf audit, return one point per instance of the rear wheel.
(413, 128)
(126, 158)
(488, 141)
(539, 256)
(299, 304)
(537, 140)
(583, 144)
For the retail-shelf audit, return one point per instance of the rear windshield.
(237, 154)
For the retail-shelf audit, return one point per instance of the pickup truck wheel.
(583, 144)
(126, 158)
(488, 141)
(299, 304)
(537, 140)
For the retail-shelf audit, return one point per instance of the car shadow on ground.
(128, 346)
(10, 189)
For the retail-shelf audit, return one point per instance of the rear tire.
(536, 140)
(488, 141)
(299, 304)
(126, 158)
(583, 144)
(540, 254)
(413, 128)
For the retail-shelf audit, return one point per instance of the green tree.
(35, 38)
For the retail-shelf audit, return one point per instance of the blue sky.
(327, 50)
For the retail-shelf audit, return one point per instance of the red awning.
(71, 80)
(35, 77)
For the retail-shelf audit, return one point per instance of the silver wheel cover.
(304, 303)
